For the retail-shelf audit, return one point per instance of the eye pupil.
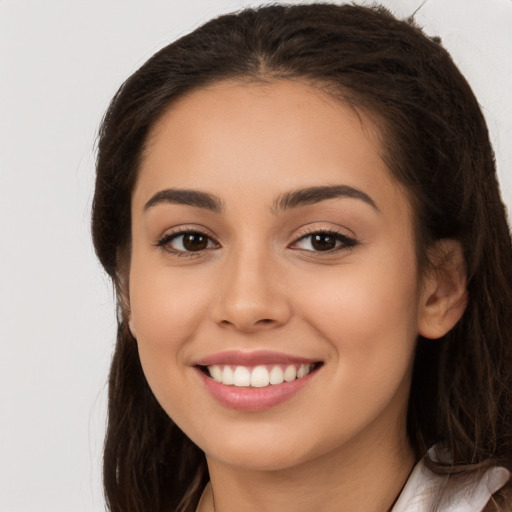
(323, 242)
(195, 242)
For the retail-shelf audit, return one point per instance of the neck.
(359, 477)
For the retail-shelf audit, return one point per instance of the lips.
(254, 381)
(254, 358)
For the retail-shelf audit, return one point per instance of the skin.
(340, 443)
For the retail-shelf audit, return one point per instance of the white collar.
(425, 491)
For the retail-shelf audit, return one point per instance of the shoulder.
(428, 492)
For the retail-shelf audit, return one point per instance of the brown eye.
(195, 241)
(186, 242)
(323, 242)
(328, 241)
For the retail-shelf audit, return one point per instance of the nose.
(252, 296)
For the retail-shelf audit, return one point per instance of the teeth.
(302, 371)
(242, 376)
(276, 375)
(290, 373)
(258, 376)
(216, 372)
(227, 376)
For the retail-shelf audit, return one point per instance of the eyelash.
(342, 242)
(164, 242)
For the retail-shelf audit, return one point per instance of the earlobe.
(123, 295)
(131, 326)
(444, 294)
(127, 314)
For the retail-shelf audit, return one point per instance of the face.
(273, 286)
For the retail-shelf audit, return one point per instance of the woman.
(299, 210)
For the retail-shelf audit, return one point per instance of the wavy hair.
(436, 144)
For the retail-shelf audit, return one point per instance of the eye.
(324, 241)
(186, 242)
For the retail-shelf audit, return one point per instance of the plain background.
(60, 63)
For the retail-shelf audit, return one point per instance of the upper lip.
(253, 358)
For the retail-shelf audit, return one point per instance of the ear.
(131, 326)
(444, 294)
(122, 289)
(127, 313)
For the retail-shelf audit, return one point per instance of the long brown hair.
(436, 144)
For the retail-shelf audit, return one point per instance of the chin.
(271, 450)
(257, 459)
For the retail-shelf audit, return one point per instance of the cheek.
(165, 308)
(165, 304)
(368, 310)
(369, 319)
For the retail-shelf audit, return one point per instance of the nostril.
(250, 325)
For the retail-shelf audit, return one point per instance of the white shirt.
(426, 492)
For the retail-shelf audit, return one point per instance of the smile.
(259, 376)
(255, 381)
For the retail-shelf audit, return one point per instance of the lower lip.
(254, 399)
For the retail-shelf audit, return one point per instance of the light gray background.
(60, 63)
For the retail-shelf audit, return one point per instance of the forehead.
(276, 136)
(264, 107)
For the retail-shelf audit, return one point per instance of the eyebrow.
(312, 195)
(289, 200)
(186, 197)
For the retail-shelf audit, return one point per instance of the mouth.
(259, 376)
(256, 380)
